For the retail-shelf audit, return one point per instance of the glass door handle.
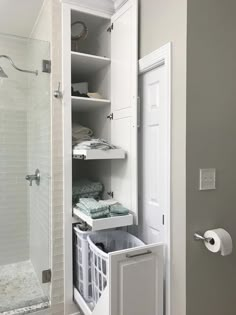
(35, 177)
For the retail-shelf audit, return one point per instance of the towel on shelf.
(108, 202)
(86, 189)
(92, 205)
(118, 209)
(80, 133)
(116, 214)
(94, 144)
(97, 213)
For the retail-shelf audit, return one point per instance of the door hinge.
(110, 194)
(163, 219)
(46, 276)
(110, 116)
(46, 66)
(110, 28)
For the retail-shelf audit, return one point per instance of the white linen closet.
(108, 61)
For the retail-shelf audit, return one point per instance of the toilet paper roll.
(222, 241)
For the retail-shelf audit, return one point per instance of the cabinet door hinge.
(46, 276)
(110, 28)
(110, 116)
(110, 194)
(46, 66)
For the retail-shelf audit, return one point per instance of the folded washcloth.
(116, 214)
(91, 205)
(118, 209)
(96, 215)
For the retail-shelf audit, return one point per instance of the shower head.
(3, 75)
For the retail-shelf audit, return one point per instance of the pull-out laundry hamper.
(101, 244)
(82, 265)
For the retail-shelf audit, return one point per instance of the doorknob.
(35, 177)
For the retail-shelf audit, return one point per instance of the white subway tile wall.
(14, 211)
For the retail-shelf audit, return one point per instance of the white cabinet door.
(136, 281)
(124, 74)
(153, 152)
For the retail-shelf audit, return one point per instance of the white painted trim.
(102, 6)
(159, 57)
(155, 59)
(119, 3)
(45, 3)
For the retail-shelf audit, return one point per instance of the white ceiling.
(17, 17)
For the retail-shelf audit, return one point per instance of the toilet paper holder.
(199, 237)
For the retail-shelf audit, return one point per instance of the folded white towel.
(94, 144)
(80, 133)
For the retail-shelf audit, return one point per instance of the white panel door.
(153, 151)
(124, 76)
(136, 281)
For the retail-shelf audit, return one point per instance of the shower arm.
(18, 69)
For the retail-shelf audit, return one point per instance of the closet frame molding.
(105, 7)
(158, 58)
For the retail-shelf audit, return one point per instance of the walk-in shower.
(25, 146)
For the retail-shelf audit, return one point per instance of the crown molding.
(103, 6)
(119, 3)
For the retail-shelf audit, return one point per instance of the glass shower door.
(25, 145)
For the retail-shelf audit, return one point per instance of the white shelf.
(104, 223)
(83, 104)
(84, 64)
(95, 154)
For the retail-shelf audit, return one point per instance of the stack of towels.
(102, 208)
(86, 189)
(93, 208)
(80, 134)
(82, 139)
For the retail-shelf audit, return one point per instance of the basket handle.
(148, 252)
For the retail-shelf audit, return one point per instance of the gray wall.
(163, 21)
(211, 130)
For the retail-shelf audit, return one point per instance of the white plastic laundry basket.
(82, 265)
(110, 241)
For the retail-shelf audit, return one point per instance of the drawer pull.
(140, 254)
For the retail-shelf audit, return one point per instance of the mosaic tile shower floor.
(20, 290)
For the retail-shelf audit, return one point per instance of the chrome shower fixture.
(4, 75)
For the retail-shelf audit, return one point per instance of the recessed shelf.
(85, 64)
(104, 223)
(83, 104)
(96, 154)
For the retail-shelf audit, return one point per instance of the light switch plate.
(207, 180)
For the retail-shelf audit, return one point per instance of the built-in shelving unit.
(106, 62)
(104, 223)
(86, 64)
(83, 104)
(96, 154)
